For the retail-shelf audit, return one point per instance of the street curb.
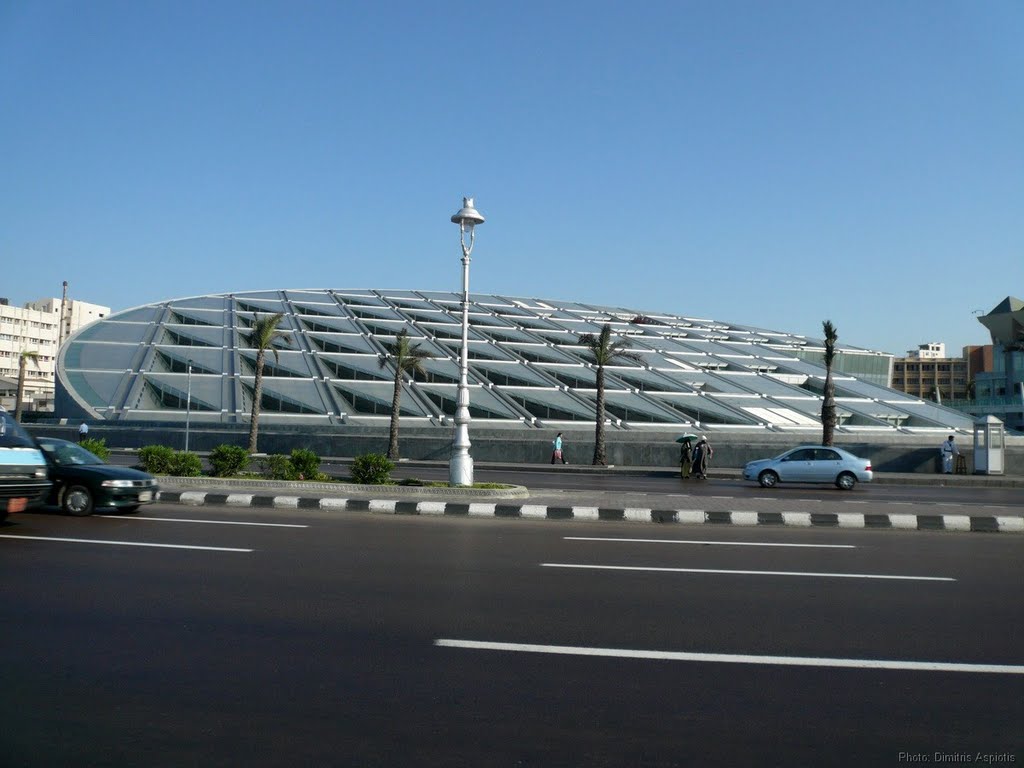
(844, 520)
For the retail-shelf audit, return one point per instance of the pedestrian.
(556, 453)
(948, 450)
(685, 459)
(702, 454)
(83, 431)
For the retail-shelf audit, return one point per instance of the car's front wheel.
(846, 481)
(768, 479)
(77, 501)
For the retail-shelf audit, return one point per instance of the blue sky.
(763, 163)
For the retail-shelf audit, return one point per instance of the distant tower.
(63, 315)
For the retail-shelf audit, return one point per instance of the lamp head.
(467, 216)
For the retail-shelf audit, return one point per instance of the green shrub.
(279, 467)
(228, 460)
(186, 465)
(156, 459)
(372, 469)
(306, 464)
(96, 447)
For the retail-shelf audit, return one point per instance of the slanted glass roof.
(527, 366)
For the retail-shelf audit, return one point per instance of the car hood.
(757, 463)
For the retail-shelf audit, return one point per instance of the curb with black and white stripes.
(988, 524)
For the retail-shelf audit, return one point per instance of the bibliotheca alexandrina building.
(527, 367)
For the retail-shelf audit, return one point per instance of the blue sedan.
(811, 464)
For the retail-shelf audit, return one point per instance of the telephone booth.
(988, 446)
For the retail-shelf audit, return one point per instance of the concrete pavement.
(845, 511)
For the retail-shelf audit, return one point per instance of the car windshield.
(12, 434)
(69, 453)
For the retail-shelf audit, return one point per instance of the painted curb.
(963, 523)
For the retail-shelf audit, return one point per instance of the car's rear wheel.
(77, 501)
(768, 479)
(846, 481)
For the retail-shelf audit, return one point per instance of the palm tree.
(828, 404)
(22, 365)
(407, 358)
(261, 338)
(604, 351)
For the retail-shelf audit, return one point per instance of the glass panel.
(93, 356)
(112, 331)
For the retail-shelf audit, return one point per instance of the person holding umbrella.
(685, 455)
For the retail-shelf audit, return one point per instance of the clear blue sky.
(763, 163)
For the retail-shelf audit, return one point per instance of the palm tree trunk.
(257, 396)
(22, 363)
(396, 401)
(828, 411)
(600, 456)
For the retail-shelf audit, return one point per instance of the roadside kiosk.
(988, 446)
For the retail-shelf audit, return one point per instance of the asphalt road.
(216, 637)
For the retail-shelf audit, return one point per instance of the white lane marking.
(854, 501)
(737, 658)
(204, 522)
(748, 573)
(126, 543)
(718, 543)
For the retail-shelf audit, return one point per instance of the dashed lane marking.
(738, 658)
(877, 576)
(126, 543)
(202, 522)
(716, 543)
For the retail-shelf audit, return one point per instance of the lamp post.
(460, 469)
(188, 403)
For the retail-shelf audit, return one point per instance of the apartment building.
(37, 327)
(929, 373)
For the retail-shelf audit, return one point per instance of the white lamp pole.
(188, 403)
(460, 469)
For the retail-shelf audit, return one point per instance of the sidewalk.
(575, 504)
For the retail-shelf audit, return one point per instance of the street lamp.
(188, 403)
(460, 469)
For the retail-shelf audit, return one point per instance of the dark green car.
(83, 482)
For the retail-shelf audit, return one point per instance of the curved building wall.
(527, 367)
